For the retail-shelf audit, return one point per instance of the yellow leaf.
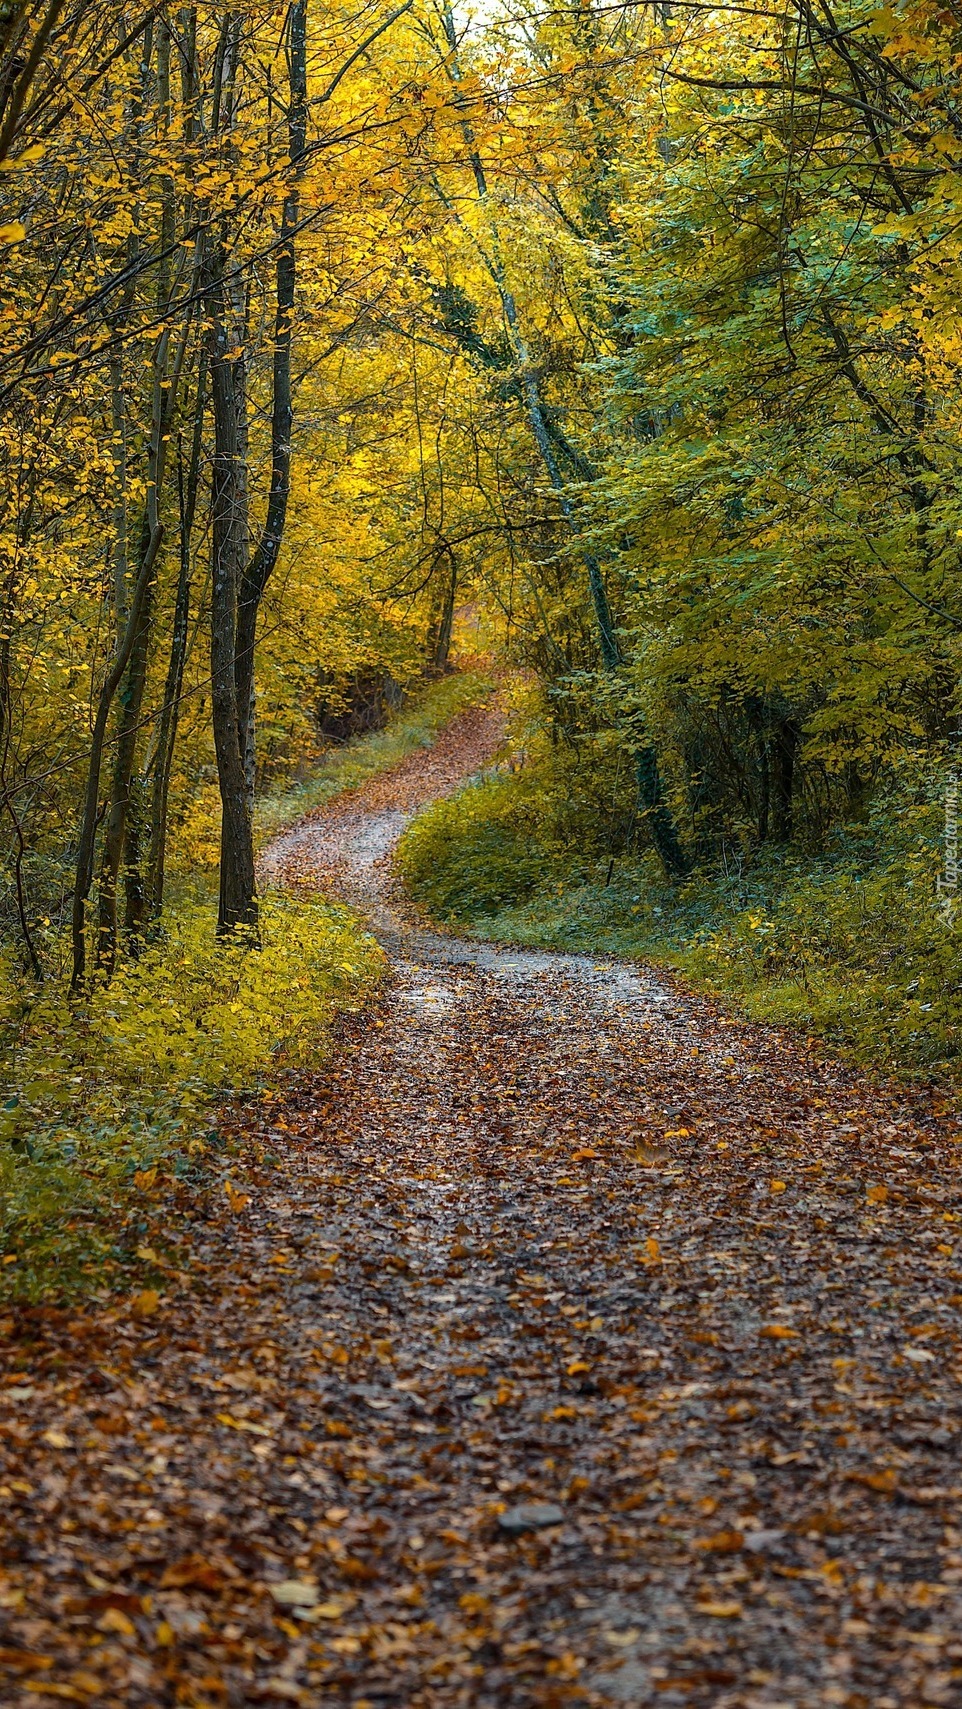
(115, 1620)
(235, 1199)
(49, 1688)
(652, 1251)
(877, 1195)
(335, 1607)
(778, 1332)
(294, 1593)
(778, 1187)
(721, 1610)
(15, 232)
(145, 1303)
(242, 1424)
(576, 1366)
(55, 1438)
(87, 1682)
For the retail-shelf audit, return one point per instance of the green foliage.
(849, 944)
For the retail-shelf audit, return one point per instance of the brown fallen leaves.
(518, 1253)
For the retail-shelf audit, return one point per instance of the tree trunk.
(261, 567)
(88, 826)
(132, 699)
(784, 749)
(170, 712)
(442, 646)
(230, 537)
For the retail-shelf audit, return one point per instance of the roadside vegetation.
(109, 1099)
(841, 936)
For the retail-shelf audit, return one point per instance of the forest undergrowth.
(842, 937)
(107, 1098)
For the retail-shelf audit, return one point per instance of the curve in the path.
(581, 1345)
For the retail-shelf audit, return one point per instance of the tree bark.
(88, 825)
(785, 744)
(115, 834)
(237, 908)
(170, 711)
(260, 568)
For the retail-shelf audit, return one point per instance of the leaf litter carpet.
(567, 1342)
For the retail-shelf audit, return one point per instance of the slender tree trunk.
(258, 571)
(88, 825)
(785, 744)
(442, 646)
(764, 787)
(115, 834)
(230, 534)
(170, 711)
(126, 821)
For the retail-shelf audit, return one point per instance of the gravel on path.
(581, 1344)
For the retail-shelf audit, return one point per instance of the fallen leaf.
(294, 1593)
(885, 1482)
(722, 1543)
(243, 1424)
(193, 1571)
(237, 1200)
(115, 1620)
(50, 1688)
(335, 1607)
(23, 1661)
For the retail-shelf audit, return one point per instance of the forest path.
(584, 1345)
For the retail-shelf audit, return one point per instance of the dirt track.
(584, 1346)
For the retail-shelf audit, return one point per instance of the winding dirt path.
(583, 1345)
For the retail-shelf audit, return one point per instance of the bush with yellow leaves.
(98, 1094)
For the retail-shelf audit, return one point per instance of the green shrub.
(847, 942)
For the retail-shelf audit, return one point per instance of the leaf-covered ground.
(566, 1341)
